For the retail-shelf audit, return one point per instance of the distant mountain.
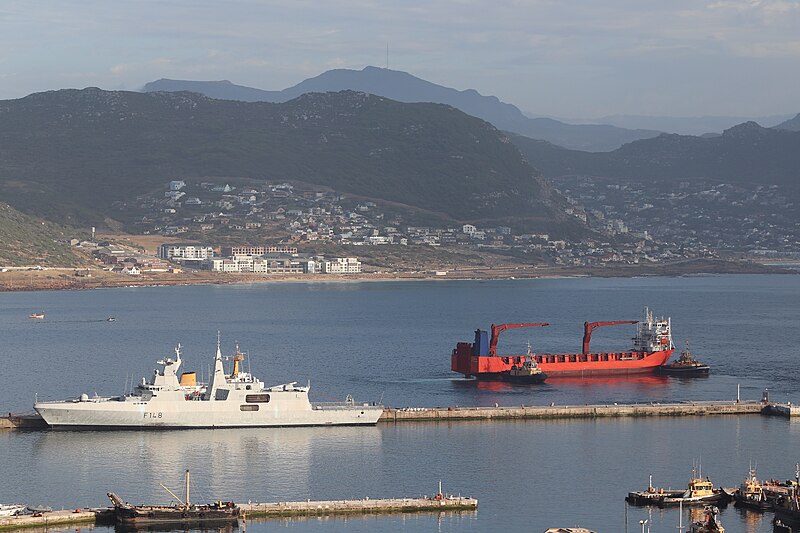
(72, 153)
(404, 87)
(745, 153)
(686, 125)
(793, 124)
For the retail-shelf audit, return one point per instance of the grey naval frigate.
(170, 400)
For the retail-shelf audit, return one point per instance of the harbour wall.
(365, 506)
(525, 412)
(531, 412)
(52, 518)
(263, 510)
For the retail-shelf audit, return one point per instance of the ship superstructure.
(652, 347)
(169, 400)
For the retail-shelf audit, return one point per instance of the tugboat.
(709, 523)
(185, 513)
(652, 495)
(700, 492)
(685, 365)
(751, 494)
(526, 373)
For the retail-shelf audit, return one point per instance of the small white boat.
(11, 509)
(37, 316)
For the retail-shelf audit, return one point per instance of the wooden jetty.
(365, 506)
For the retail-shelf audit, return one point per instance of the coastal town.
(281, 226)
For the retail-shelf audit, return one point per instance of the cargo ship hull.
(652, 347)
(560, 365)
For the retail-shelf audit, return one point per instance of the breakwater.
(531, 412)
(53, 518)
(365, 506)
(528, 412)
(438, 503)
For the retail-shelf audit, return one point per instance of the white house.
(469, 229)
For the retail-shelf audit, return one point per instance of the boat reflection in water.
(166, 528)
(299, 454)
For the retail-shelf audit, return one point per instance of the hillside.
(793, 124)
(404, 87)
(30, 241)
(745, 153)
(70, 154)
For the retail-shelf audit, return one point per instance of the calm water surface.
(393, 340)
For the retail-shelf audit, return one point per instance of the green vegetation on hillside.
(746, 153)
(70, 154)
(30, 241)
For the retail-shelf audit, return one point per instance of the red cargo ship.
(652, 346)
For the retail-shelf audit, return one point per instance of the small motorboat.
(37, 316)
(111, 319)
(527, 372)
(685, 365)
(709, 523)
(12, 509)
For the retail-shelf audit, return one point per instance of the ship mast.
(187, 488)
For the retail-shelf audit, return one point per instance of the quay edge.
(570, 411)
(365, 506)
(53, 518)
(531, 412)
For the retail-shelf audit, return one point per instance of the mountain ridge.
(67, 152)
(405, 87)
(746, 152)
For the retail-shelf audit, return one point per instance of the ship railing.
(338, 405)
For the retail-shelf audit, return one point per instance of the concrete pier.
(525, 412)
(52, 518)
(571, 411)
(365, 506)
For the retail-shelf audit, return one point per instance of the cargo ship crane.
(588, 327)
(497, 329)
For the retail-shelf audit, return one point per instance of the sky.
(564, 58)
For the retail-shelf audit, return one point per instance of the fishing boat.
(685, 365)
(526, 373)
(651, 495)
(751, 494)
(183, 512)
(232, 398)
(11, 509)
(709, 523)
(37, 316)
